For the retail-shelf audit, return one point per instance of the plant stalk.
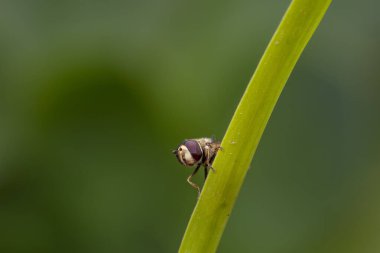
(221, 189)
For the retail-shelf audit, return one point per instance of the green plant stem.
(221, 189)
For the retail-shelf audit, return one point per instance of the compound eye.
(194, 149)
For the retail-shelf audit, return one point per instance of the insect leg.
(209, 159)
(206, 172)
(192, 183)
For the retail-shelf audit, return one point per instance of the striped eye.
(194, 149)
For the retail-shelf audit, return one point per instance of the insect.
(197, 152)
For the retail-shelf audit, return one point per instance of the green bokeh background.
(94, 95)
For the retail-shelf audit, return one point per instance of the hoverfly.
(197, 152)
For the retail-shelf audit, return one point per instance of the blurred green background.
(94, 95)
